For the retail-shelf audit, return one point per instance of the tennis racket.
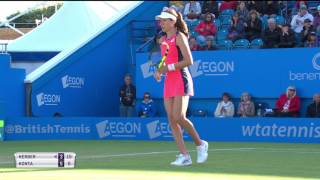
(156, 61)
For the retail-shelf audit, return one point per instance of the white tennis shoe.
(202, 152)
(182, 160)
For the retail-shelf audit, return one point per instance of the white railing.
(3, 48)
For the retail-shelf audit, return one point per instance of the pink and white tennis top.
(178, 82)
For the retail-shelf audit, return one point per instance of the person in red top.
(228, 5)
(288, 105)
(206, 29)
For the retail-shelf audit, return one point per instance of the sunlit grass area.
(138, 160)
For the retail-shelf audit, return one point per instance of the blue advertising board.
(263, 73)
(292, 130)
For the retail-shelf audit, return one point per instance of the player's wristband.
(171, 67)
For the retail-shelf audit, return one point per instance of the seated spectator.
(246, 107)
(253, 26)
(210, 7)
(242, 11)
(288, 104)
(316, 20)
(192, 11)
(177, 5)
(227, 5)
(236, 30)
(146, 107)
(206, 29)
(209, 45)
(127, 98)
(271, 35)
(313, 109)
(193, 44)
(270, 9)
(287, 39)
(225, 107)
(312, 40)
(307, 29)
(297, 23)
(255, 5)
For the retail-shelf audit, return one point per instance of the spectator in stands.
(255, 5)
(206, 29)
(209, 45)
(287, 39)
(193, 44)
(313, 110)
(271, 35)
(242, 11)
(316, 21)
(300, 3)
(307, 29)
(147, 107)
(192, 11)
(177, 5)
(237, 29)
(246, 106)
(227, 5)
(127, 97)
(253, 26)
(312, 40)
(288, 104)
(297, 22)
(270, 9)
(210, 7)
(225, 107)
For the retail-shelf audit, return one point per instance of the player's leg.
(180, 109)
(183, 158)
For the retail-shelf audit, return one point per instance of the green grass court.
(142, 160)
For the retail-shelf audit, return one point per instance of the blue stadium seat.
(224, 45)
(226, 13)
(280, 20)
(199, 113)
(241, 44)
(192, 25)
(217, 22)
(264, 22)
(226, 23)
(256, 43)
(222, 34)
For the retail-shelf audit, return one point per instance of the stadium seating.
(256, 43)
(222, 34)
(241, 44)
(224, 45)
(280, 20)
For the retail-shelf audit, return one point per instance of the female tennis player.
(178, 85)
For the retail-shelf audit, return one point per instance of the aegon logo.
(212, 68)
(118, 129)
(159, 129)
(309, 76)
(147, 69)
(72, 82)
(48, 99)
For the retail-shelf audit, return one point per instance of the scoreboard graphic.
(45, 159)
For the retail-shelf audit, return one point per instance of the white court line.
(162, 152)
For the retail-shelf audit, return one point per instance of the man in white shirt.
(298, 21)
